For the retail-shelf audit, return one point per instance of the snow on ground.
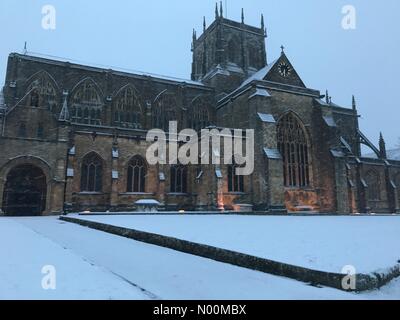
(23, 253)
(327, 243)
(94, 264)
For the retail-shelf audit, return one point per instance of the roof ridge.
(107, 67)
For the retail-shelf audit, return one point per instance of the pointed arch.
(200, 113)
(43, 74)
(137, 171)
(253, 55)
(233, 50)
(128, 111)
(235, 182)
(179, 177)
(92, 173)
(42, 90)
(164, 110)
(374, 185)
(86, 103)
(293, 144)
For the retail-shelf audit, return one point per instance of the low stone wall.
(364, 282)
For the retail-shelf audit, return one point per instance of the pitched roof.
(259, 75)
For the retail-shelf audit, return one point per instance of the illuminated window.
(235, 182)
(293, 146)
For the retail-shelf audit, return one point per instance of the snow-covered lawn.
(93, 264)
(23, 254)
(318, 242)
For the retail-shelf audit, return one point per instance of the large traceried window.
(92, 173)
(86, 106)
(42, 91)
(128, 110)
(374, 185)
(200, 118)
(164, 111)
(293, 146)
(235, 182)
(137, 170)
(179, 175)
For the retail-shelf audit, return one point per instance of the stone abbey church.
(73, 137)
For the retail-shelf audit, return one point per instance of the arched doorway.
(25, 191)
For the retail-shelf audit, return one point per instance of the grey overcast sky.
(155, 36)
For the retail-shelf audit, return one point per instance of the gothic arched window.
(293, 146)
(179, 177)
(42, 91)
(128, 110)
(235, 182)
(86, 106)
(374, 186)
(92, 173)
(164, 111)
(233, 51)
(136, 175)
(200, 117)
(34, 99)
(253, 56)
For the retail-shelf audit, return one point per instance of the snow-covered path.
(23, 254)
(93, 264)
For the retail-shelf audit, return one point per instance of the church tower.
(228, 52)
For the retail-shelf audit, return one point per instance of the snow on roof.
(115, 153)
(321, 102)
(115, 174)
(259, 75)
(260, 92)
(330, 121)
(337, 153)
(105, 67)
(272, 153)
(266, 117)
(147, 202)
(345, 144)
